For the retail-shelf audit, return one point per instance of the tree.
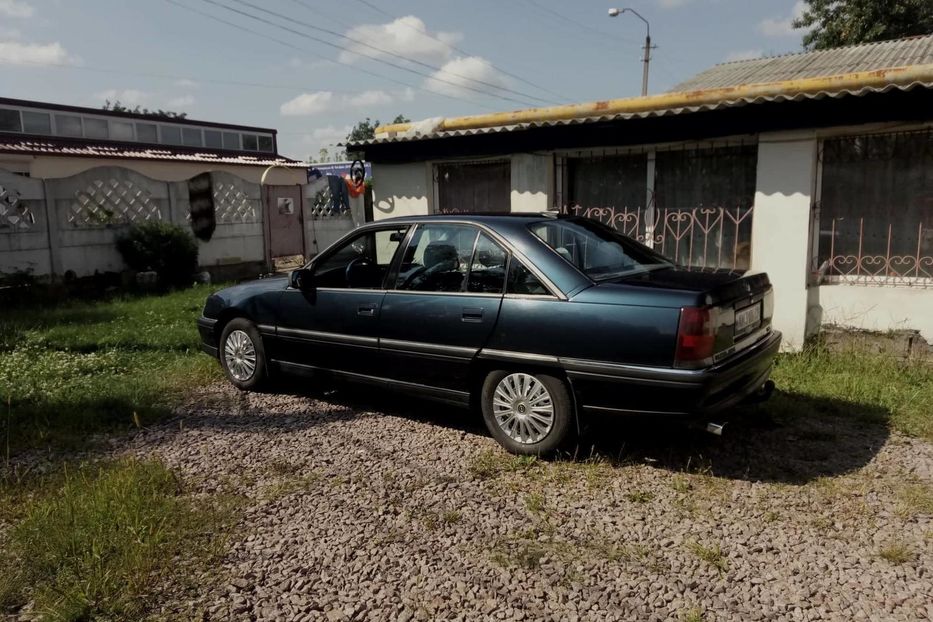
(832, 23)
(116, 106)
(366, 129)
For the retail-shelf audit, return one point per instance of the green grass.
(896, 553)
(98, 541)
(81, 368)
(712, 555)
(876, 388)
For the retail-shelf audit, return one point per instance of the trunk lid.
(740, 305)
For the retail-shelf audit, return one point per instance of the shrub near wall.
(167, 249)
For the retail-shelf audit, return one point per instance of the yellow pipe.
(857, 80)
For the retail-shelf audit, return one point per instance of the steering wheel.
(359, 261)
(411, 277)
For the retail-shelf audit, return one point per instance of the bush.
(167, 249)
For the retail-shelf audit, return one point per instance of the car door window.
(487, 269)
(437, 259)
(361, 262)
(522, 281)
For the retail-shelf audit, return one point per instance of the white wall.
(875, 308)
(781, 224)
(402, 190)
(532, 182)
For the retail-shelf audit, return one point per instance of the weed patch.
(96, 542)
(712, 555)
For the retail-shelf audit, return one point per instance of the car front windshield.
(596, 250)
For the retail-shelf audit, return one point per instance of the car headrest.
(437, 252)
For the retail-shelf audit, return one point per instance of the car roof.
(489, 218)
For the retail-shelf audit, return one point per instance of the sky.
(312, 68)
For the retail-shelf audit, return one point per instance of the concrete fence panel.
(24, 233)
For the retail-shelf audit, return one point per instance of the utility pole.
(648, 46)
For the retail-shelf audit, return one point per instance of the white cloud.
(15, 8)
(185, 83)
(127, 97)
(460, 73)
(782, 27)
(182, 101)
(18, 53)
(671, 4)
(405, 36)
(369, 98)
(9, 33)
(744, 55)
(307, 104)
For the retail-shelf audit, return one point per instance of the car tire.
(528, 413)
(243, 356)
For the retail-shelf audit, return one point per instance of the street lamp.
(647, 59)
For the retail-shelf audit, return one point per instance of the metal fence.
(863, 258)
(698, 237)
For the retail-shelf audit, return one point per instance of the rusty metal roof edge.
(727, 103)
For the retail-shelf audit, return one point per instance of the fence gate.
(286, 233)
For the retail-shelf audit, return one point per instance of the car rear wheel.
(527, 412)
(242, 355)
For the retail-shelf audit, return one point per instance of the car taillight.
(696, 337)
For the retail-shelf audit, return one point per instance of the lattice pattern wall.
(232, 205)
(112, 202)
(15, 213)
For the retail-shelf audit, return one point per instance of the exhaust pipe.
(715, 428)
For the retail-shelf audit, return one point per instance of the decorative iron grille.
(112, 202)
(700, 237)
(15, 213)
(231, 205)
(851, 261)
(873, 223)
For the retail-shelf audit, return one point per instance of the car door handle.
(367, 310)
(472, 314)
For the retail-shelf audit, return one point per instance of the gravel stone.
(359, 505)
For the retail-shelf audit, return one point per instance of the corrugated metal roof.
(837, 61)
(33, 146)
(914, 51)
(665, 112)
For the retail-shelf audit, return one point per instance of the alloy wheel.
(523, 408)
(240, 355)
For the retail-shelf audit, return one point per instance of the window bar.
(858, 264)
(887, 260)
(919, 242)
(832, 247)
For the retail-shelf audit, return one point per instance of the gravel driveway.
(364, 506)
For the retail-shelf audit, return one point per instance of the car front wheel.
(528, 413)
(242, 355)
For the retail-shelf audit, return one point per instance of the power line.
(379, 50)
(570, 20)
(316, 55)
(425, 33)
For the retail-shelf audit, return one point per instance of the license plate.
(747, 319)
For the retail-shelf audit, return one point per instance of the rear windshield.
(596, 250)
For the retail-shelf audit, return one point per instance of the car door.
(442, 306)
(333, 325)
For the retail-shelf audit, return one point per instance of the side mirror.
(302, 279)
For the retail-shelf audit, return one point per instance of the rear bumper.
(206, 327)
(624, 389)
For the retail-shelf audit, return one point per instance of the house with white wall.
(71, 178)
(816, 168)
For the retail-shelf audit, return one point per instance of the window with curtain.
(474, 187)
(703, 205)
(876, 206)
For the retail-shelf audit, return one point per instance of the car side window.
(522, 281)
(361, 262)
(487, 269)
(437, 259)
